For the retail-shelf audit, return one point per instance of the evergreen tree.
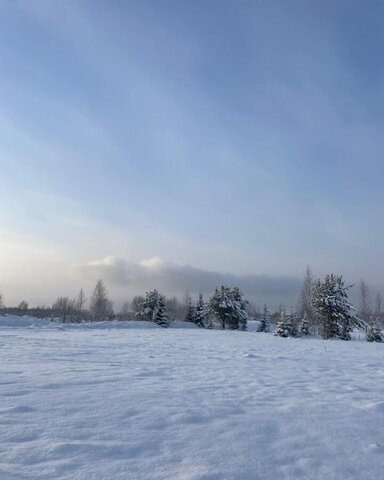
(335, 314)
(201, 313)
(282, 329)
(185, 304)
(304, 326)
(161, 316)
(291, 324)
(240, 309)
(153, 308)
(229, 307)
(374, 334)
(147, 308)
(190, 315)
(209, 323)
(265, 321)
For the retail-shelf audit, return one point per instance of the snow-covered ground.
(177, 404)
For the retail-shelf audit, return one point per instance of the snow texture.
(141, 402)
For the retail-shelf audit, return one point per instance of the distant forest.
(322, 309)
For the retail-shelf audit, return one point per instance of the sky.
(185, 144)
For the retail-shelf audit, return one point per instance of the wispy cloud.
(241, 140)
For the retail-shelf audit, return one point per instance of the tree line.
(322, 309)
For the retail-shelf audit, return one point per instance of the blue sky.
(218, 137)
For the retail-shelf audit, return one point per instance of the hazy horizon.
(181, 145)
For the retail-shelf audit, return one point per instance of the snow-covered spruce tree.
(304, 326)
(291, 323)
(374, 334)
(265, 321)
(335, 314)
(241, 309)
(217, 305)
(285, 325)
(146, 309)
(208, 321)
(153, 309)
(161, 317)
(201, 312)
(186, 302)
(101, 307)
(190, 314)
(281, 329)
(229, 307)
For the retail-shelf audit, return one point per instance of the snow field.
(164, 404)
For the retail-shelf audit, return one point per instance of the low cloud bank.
(174, 279)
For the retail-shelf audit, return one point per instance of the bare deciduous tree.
(64, 308)
(125, 312)
(365, 311)
(80, 301)
(379, 316)
(305, 306)
(23, 307)
(81, 313)
(101, 306)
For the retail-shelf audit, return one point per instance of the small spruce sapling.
(201, 313)
(290, 324)
(304, 326)
(265, 321)
(374, 334)
(282, 329)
